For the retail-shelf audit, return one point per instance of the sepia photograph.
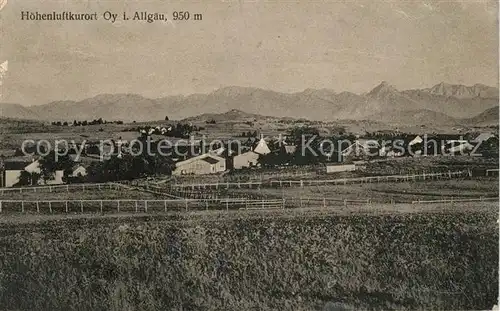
(326, 155)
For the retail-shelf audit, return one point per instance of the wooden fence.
(111, 206)
(492, 172)
(155, 206)
(456, 200)
(340, 181)
(61, 188)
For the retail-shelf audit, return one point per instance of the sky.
(285, 46)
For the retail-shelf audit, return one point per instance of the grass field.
(385, 192)
(94, 194)
(253, 261)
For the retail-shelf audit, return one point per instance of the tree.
(24, 179)
(277, 158)
(166, 118)
(49, 164)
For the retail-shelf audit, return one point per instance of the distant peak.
(383, 87)
(235, 111)
(385, 84)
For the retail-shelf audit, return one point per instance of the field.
(386, 192)
(253, 261)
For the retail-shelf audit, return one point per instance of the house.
(482, 137)
(389, 151)
(457, 146)
(13, 169)
(12, 172)
(57, 177)
(56, 180)
(262, 147)
(78, 170)
(246, 159)
(415, 141)
(203, 164)
(290, 149)
(335, 168)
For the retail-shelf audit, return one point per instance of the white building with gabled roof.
(262, 147)
(207, 163)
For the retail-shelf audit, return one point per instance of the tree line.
(84, 122)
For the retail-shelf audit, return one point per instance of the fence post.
(324, 202)
(345, 202)
(227, 205)
(136, 206)
(0, 206)
(66, 206)
(50, 207)
(101, 203)
(22, 206)
(186, 202)
(118, 206)
(165, 205)
(81, 206)
(37, 207)
(145, 206)
(67, 188)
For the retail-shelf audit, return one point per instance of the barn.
(246, 159)
(12, 172)
(200, 165)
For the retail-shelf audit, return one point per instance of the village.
(300, 147)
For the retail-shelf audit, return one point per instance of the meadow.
(380, 192)
(262, 260)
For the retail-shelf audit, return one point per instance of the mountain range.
(443, 103)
